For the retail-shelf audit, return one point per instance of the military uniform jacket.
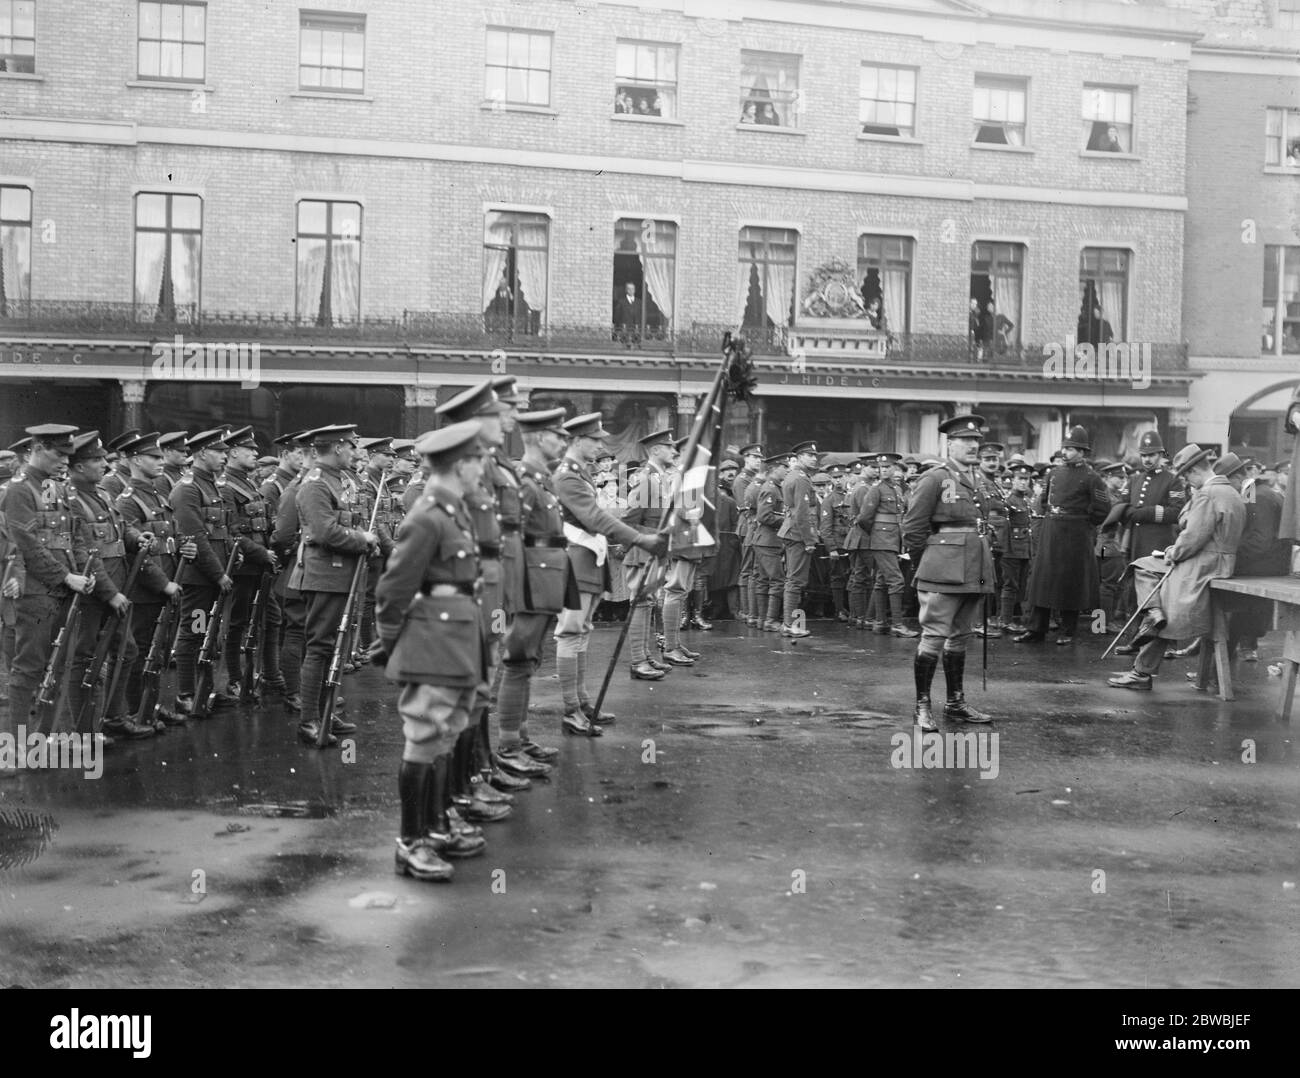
(115, 538)
(801, 509)
(542, 525)
(272, 490)
(250, 520)
(48, 537)
(943, 530)
(414, 489)
(375, 486)
(856, 538)
(503, 484)
(1017, 527)
(168, 479)
(739, 488)
(881, 517)
(330, 545)
(117, 480)
(201, 511)
(769, 515)
(143, 508)
(1155, 500)
(835, 520)
(432, 638)
(645, 505)
(995, 498)
(578, 504)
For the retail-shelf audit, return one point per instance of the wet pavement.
(741, 824)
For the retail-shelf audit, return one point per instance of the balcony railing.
(474, 331)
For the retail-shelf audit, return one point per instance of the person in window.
(622, 101)
(643, 106)
(750, 113)
(657, 106)
(1000, 328)
(1293, 154)
(973, 328)
(767, 115)
(1095, 330)
(627, 315)
(1105, 139)
(874, 314)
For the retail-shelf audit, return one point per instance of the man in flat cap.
(589, 530)
(646, 500)
(798, 534)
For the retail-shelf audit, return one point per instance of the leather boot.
(922, 715)
(446, 841)
(875, 619)
(567, 667)
(896, 613)
(415, 854)
(956, 709)
(923, 667)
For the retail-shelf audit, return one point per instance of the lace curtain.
(893, 299)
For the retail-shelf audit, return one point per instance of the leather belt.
(887, 518)
(959, 527)
(487, 550)
(1061, 514)
(507, 529)
(446, 591)
(545, 540)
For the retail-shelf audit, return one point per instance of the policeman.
(798, 534)
(146, 510)
(200, 510)
(769, 552)
(327, 555)
(250, 525)
(880, 519)
(646, 500)
(1017, 532)
(120, 473)
(751, 468)
(989, 469)
(54, 554)
(175, 461)
(431, 641)
(944, 531)
(589, 530)
(286, 539)
(545, 570)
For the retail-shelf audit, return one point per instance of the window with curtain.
(15, 250)
(887, 100)
(518, 66)
(766, 276)
(1107, 119)
(18, 36)
(1282, 138)
(885, 278)
(171, 41)
(516, 248)
(1103, 291)
(331, 51)
(996, 287)
(645, 79)
(999, 110)
(328, 286)
(769, 89)
(645, 263)
(168, 249)
(1281, 322)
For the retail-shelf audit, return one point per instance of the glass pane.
(888, 83)
(150, 211)
(309, 48)
(516, 85)
(645, 62)
(331, 77)
(331, 48)
(540, 51)
(867, 82)
(25, 19)
(1123, 108)
(194, 23)
(1016, 106)
(907, 85)
(171, 22)
(185, 267)
(187, 211)
(347, 219)
(1273, 122)
(169, 60)
(624, 61)
(149, 249)
(311, 217)
(15, 203)
(496, 47)
(667, 101)
(149, 58)
(193, 61)
(309, 76)
(668, 63)
(517, 50)
(6, 26)
(981, 106)
(150, 20)
(352, 80)
(906, 116)
(495, 89)
(311, 276)
(353, 50)
(539, 88)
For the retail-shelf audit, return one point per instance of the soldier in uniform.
(1064, 574)
(1017, 531)
(798, 534)
(119, 474)
(175, 461)
(53, 549)
(752, 467)
(861, 584)
(250, 525)
(146, 510)
(373, 486)
(545, 570)
(880, 519)
(835, 530)
(285, 539)
(683, 568)
(589, 530)
(431, 641)
(327, 554)
(990, 467)
(1111, 559)
(944, 531)
(645, 505)
(11, 574)
(724, 580)
(272, 489)
(769, 554)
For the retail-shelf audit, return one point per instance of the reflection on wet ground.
(741, 823)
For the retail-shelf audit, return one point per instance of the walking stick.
(1142, 608)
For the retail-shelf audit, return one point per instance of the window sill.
(999, 147)
(188, 87)
(327, 95)
(772, 129)
(502, 106)
(1105, 155)
(900, 140)
(22, 76)
(1282, 170)
(633, 118)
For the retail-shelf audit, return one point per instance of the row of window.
(516, 279)
(171, 47)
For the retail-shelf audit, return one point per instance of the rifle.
(89, 710)
(355, 656)
(213, 642)
(47, 697)
(160, 647)
(334, 676)
(250, 644)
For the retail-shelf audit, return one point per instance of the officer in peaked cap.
(769, 549)
(404, 466)
(697, 565)
(504, 386)
(744, 490)
(374, 485)
(944, 531)
(799, 533)
(480, 776)
(990, 466)
(120, 475)
(879, 519)
(1017, 544)
(646, 501)
(175, 455)
(433, 646)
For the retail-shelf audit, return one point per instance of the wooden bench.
(1284, 592)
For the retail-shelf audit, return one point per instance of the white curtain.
(658, 274)
(185, 268)
(345, 280)
(1015, 136)
(1049, 433)
(150, 247)
(893, 289)
(742, 291)
(1111, 294)
(778, 291)
(494, 260)
(928, 443)
(15, 264)
(311, 278)
(530, 264)
(1006, 301)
